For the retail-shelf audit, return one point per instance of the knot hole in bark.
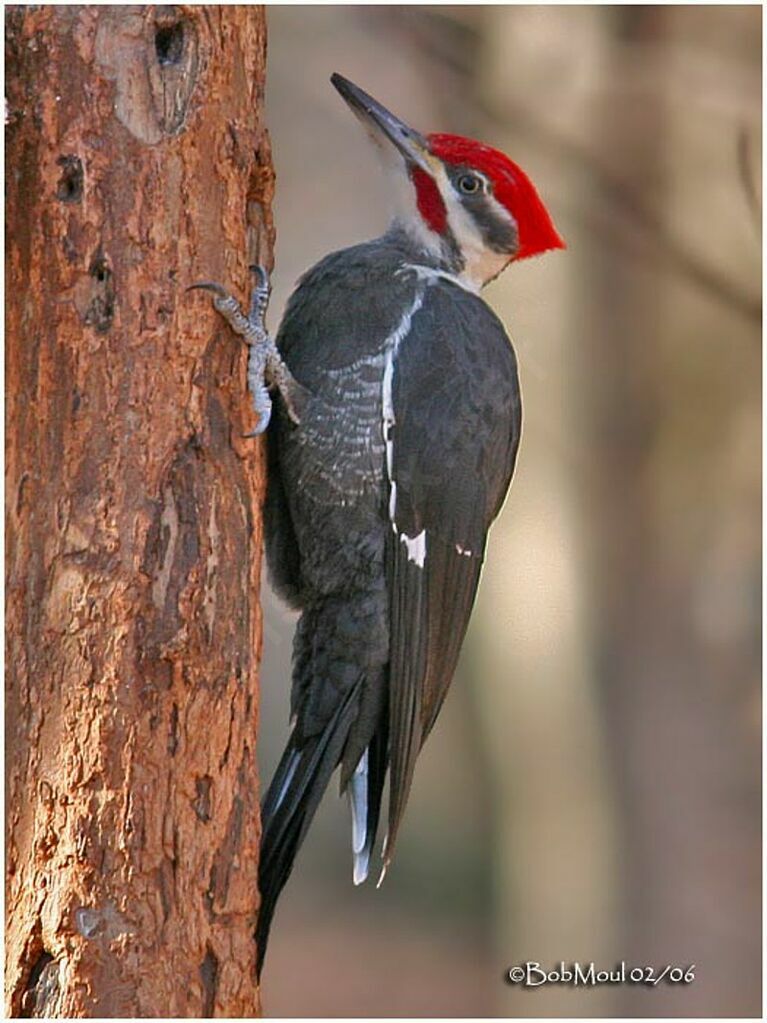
(41, 988)
(172, 67)
(209, 978)
(100, 309)
(70, 186)
(169, 43)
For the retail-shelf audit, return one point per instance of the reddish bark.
(137, 163)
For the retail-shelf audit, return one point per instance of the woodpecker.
(397, 424)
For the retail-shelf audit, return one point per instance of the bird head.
(465, 203)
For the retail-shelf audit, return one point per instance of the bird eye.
(469, 184)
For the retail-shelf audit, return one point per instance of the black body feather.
(380, 547)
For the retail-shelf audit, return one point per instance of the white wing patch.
(416, 546)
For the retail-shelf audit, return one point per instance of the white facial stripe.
(482, 264)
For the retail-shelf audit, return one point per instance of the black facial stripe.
(451, 252)
(498, 234)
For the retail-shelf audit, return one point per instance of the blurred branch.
(683, 261)
(438, 36)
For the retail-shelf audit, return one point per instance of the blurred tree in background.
(592, 790)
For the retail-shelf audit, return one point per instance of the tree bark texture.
(137, 163)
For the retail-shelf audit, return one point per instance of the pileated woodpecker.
(393, 446)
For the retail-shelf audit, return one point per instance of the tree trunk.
(137, 163)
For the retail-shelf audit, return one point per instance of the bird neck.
(425, 247)
(472, 263)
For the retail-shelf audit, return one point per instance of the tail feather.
(358, 800)
(289, 806)
(285, 772)
(365, 795)
(378, 764)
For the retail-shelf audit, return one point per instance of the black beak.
(384, 125)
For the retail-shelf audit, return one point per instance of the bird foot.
(265, 367)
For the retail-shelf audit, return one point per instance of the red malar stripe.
(429, 201)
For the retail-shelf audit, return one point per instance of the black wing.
(455, 416)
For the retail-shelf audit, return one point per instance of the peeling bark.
(137, 163)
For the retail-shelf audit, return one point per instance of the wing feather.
(454, 437)
(408, 658)
(453, 581)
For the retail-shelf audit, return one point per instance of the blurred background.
(592, 790)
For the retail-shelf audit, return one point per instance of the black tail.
(338, 700)
(289, 806)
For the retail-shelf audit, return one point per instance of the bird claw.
(209, 286)
(260, 428)
(251, 328)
